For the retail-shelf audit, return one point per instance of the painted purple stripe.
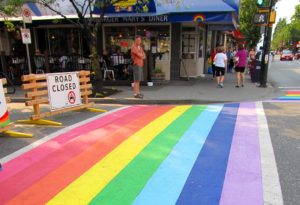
(243, 180)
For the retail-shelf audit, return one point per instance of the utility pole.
(266, 48)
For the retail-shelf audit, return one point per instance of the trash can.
(256, 74)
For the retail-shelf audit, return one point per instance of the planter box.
(158, 77)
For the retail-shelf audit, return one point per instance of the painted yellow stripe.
(95, 179)
(293, 95)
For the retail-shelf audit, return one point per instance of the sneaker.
(221, 85)
(237, 86)
(242, 85)
(138, 96)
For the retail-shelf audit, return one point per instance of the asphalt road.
(285, 74)
(283, 120)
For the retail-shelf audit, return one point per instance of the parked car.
(287, 55)
(297, 55)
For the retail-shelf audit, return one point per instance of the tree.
(281, 35)
(286, 33)
(248, 28)
(9, 7)
(295, 26)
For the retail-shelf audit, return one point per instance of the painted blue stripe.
(167, 182)
(205, 182)
(34, 9)
(289, 98)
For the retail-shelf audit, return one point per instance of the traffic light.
(263, 3)
(259, 2)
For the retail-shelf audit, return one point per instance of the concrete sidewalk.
(193, 91)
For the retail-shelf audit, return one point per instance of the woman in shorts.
(241, 55)
(220, 62)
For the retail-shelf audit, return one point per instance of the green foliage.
(157, 70)
(10, 7)
(285, 33)
(248, 28)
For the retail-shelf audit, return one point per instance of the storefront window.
(201, 44)
(64, 42)
(209, 39)
(119, 38)
(156, 39)
(188, 46)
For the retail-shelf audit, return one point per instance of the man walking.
(137, 56)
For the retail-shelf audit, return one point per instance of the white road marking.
(284, 88)
(271, 185)
(53, 135)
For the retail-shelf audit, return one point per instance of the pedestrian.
(220, 62)
(240, 66)
(273, 55)
(212, 57)
(252, 54)
(137, 56)
(230, 57)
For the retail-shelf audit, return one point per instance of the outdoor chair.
(107, 72)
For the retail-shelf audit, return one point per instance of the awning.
(201, 11)
(160, 7)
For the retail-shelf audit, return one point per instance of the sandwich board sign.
(63, 90)
(4, 118)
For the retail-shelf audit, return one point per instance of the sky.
(285, 8)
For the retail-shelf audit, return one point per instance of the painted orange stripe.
(57, 180)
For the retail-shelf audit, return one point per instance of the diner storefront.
(177, 40)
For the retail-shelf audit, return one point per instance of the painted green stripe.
(124, 188)
(5, 123)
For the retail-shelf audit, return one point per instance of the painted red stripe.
(62, 154)
(4, 117)
(54, 182)
(16, 165)
(293, 92)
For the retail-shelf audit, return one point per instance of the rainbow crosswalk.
(206, 154)
(291, 95)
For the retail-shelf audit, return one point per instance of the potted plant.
(158, 75)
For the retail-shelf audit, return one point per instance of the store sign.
(4, 118)
(137, 19)
(26, 37)
(63, 90)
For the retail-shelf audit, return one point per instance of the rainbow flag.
(146, 155)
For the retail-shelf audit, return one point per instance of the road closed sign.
(4, 118)
(63, 90)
